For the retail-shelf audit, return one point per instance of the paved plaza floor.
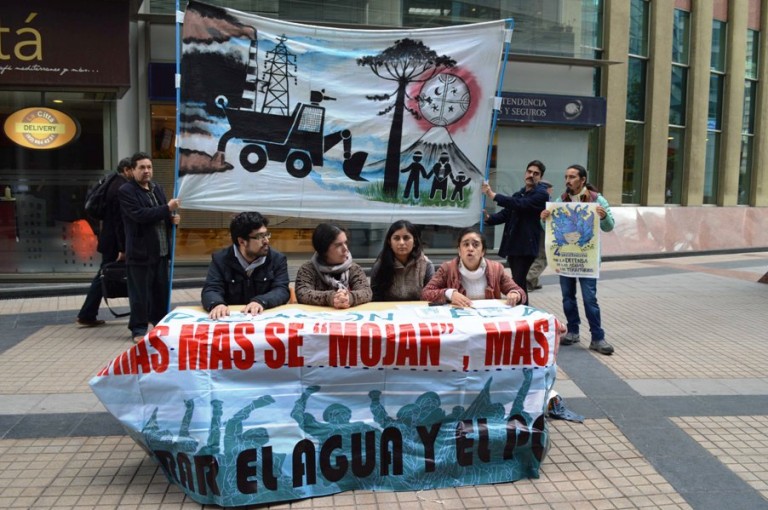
(676, 418)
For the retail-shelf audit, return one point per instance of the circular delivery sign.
(41, 128)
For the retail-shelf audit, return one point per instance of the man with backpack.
(103, 204)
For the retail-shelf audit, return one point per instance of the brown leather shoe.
(89, 323)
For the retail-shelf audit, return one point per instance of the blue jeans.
(571, 307)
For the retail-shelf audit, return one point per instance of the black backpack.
(95, 199)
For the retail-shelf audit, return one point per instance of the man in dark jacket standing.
(249, 272)
(148, 218)
(522, 229)
(111, 244)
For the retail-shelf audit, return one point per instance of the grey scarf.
(334, 276)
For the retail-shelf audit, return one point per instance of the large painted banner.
(307, 121)
(305, 401)
(572, 239)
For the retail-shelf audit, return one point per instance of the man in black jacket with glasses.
(249, 273)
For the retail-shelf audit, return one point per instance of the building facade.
(666, 103)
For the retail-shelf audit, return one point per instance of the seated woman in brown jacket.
(401, 270)
(472, 276)
(331, 277)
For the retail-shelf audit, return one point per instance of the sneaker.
(602, 347)
(570, 339)
(89, 323)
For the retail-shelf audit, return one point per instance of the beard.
(253, 255)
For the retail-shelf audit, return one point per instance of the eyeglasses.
(261, 236)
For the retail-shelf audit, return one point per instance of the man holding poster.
(573, 225)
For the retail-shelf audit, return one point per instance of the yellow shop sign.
(41, 128)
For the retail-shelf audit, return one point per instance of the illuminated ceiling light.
(421, 11)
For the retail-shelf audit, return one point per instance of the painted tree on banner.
(406, 62)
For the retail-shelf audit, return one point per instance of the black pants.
(147, 295)
(519, 266)
(90, 308)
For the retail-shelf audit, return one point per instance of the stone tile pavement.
(676, 418)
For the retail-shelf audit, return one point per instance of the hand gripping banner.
(316, 122)
(303, 402)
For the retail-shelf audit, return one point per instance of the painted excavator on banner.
(296, 140)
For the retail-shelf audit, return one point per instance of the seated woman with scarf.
(331, 277)
(471, 276)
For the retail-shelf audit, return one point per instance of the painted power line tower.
(275, 78)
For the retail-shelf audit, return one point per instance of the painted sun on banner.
(308, 121)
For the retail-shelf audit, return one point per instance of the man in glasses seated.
(249, 272)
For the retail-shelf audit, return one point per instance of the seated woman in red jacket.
(472, 276)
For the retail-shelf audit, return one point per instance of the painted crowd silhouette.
(422, 446)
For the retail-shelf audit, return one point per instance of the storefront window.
(677, 108)
(675, 159)
(681, 36)
(43, 228)
(717, 62)
(593, 156)
(714, 121)
(677, 99)
(636, 80)
(679, 86)
(163, 131)
(714, 118)
(326, 11)
(636, 89)
(570, 28)
(745, 170)
(753, 53)
(638, 27)
(633, 163)
(711, 166)
(748, 121)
